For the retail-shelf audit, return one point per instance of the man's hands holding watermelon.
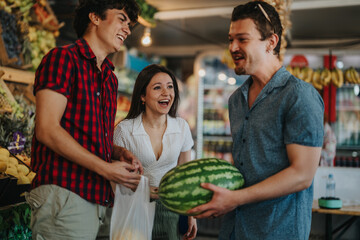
(220, 204)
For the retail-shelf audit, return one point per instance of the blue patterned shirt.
(287, 111)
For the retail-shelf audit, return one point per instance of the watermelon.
(180, 189)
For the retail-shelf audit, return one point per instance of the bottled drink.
(330, 186)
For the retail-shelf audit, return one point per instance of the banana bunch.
(316, 81)
(325, 77)
(305, 74)
(337, 77)
(352, 76)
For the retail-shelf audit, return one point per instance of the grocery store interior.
(321, 45)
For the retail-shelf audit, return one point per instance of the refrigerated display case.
(347, 126)
(216, 82)
(342, 105)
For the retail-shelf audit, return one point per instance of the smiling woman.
(159, 138)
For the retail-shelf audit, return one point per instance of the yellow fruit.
(325, 76)
(337, 77)
(22, 179)
(23, 169)
(316, 81)
(4, 158)
(348, 76)
(13, 161)
(355, 75)
(296, 72)
(3, 167)
(290, 69)
(5, 152)
(12, 171)
(306, 74)
(31, 176)
(310, 73)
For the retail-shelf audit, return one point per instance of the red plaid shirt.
(89, 118)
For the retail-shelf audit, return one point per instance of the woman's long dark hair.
(142, 81)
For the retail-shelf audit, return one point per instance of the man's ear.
(94, 18)
(273, 41)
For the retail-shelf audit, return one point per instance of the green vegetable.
(180, 188)
(15, 222)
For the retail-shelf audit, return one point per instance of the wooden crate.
(4, 58)
(17, 75)
(46, 17)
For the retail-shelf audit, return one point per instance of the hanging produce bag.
(133, 213)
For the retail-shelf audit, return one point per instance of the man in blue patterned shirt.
(277, 130)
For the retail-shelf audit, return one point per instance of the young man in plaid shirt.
(72, 149)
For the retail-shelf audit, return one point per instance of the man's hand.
(123, 173)
(220, 204)
(124, 155)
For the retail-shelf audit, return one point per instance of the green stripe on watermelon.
(180, 189)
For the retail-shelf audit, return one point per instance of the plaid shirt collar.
(88, 53)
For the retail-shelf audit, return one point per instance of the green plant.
(15, 223)
(147, 11)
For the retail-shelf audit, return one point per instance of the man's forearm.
(61, 142)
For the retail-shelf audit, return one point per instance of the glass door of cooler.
(347, 126)
(216, 82)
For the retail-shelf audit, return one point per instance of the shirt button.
(105, 134)
(98, 94)
(108, 155)
(246, 118)
(241, 164)
(244, 140)
(106, 201)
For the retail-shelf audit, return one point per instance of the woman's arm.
(184, 157)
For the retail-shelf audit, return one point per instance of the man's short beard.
(239, 71)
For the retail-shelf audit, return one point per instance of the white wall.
(348, 189)
(347, 183)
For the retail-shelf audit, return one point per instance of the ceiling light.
(222, 76)
(231, 81)
(146, 38)
(202, 72)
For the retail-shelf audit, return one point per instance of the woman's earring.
(142, 102)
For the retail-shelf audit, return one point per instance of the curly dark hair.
(142, 81)
(85, 7)
(267, 23)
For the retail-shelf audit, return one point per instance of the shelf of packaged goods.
(224, 87)
(348, 148)
(214, 138)
(348, 108)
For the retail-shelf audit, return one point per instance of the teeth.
(164, 101)
(121, 37)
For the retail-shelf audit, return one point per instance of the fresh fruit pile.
(323, 77)
(11, 166)
(41, 42)
(5, 105)
(9, 36)
(33, 27)
(180, 189)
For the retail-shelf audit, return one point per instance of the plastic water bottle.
(330, 186)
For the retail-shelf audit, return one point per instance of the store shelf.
(218, 86)
(16, 75)
(217, 138)
(213, 126)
